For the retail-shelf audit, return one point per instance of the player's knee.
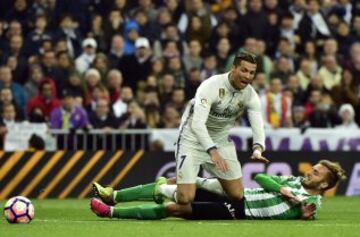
(184, 197)
(237, 196)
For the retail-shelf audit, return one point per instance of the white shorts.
(189, 160)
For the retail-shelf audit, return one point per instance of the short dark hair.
(36, 142)
(244, 56)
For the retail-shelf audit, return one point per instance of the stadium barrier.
(67, 174)
(284, 139)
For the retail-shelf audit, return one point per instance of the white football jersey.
(215, 109)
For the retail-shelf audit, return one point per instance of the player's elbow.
(198, 127)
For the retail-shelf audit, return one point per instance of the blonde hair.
(336, 174)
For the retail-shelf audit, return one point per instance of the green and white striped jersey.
(261, 204)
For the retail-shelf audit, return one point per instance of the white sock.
(168, 190)
(211, 185)
(114, 196)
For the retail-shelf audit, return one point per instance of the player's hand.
(290, 196)
(308, 211)
(257, 156)
(219, 162)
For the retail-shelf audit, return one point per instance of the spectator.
(260, 84)
(120, 106)
(330, 72)
(170, 50)
(16, 89)
(276, 106)
(222, 53)
(178, 100)
(131, 34)
(38, 35)
(193, 82)
(6, 98)
(304, 73)
(193, 59)
(101, 64)
(114, 25)
(68, 115)
(315, 21)
(92, 79)
(16, 59)
(176, 68)
(97, 32)
(283, 70)
(347, 115)
(255, 20)
(102, 116)
(8, 115)
(116, 51)
(84, 61)
(135, 118)
(48, 65)
(45, 102)
(294, 86)
(114, 82)
(32, 85)
(346, 91)
(170, 117)
(136, 67)
(314, 100)
(299, 119)
(324, 114)
(169, 33)
(166, 87)
(209, 68)
(68, 30)
(74, 86)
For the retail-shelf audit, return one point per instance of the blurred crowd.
(134, 64)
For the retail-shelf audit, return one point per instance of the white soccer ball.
(19, 209)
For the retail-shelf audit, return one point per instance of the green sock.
(137, 193)
(141, 212)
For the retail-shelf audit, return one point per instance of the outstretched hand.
(257, 156)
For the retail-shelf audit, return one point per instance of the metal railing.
(98, 139)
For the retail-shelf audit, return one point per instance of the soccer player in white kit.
(204, 131)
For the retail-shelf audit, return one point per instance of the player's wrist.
(257, 147)
(211, 150)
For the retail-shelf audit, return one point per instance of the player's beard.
(310, 184)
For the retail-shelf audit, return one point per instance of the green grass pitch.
(340, 216)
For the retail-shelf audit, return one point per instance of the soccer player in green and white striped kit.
(280, 197)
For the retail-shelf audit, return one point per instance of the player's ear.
(324, 185)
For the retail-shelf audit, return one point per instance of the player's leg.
(194, 211)
(143, 212)
(142, 192)
(234, 189)
(187, 168)
(231, 181)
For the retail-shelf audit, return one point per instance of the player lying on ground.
(280, 197)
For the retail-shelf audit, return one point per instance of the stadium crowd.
(134, 64)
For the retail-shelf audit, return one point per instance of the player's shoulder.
(250, 90)
(217, 80)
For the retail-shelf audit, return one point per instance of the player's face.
(243, 74)
(316, 177)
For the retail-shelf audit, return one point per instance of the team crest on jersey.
(203, 102)
(221, 93)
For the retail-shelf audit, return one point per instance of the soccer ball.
(19, 209)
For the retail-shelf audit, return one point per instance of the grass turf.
(340, 216)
